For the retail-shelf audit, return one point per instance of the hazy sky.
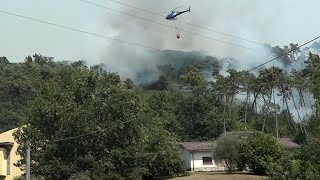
(277, 22)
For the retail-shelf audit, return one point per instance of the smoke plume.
(249, 19)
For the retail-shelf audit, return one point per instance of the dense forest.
(193, 99)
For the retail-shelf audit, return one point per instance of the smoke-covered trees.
(186, 103)
(215, 102)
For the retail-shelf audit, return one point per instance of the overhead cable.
(198, 26)
(141, 18)
(293, 49)
(77, 30)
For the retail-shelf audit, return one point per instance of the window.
(207, 160)
(8, 161)
(4, 161)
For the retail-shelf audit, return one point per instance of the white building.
(198, 156)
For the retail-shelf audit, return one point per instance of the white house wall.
(196, 160)
(187, 158)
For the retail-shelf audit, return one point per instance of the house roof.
(288, 143)
(197, 146)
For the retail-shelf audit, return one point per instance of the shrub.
(80, 176)
(226, 149)
(261, 152)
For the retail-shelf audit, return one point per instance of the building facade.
(198, 157)
(8, 156)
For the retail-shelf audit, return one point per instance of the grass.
(220, 176)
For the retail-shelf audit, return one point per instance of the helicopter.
(173, 15)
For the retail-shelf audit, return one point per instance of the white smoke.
(250, 19)
(129, 60)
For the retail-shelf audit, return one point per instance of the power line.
(136, 44)
(101, 6)
(208, 29)
(77, 30)
(136, 8)
(80, 135)
(284, 53)
(222, 33)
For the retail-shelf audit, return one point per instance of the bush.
(80, 176)
(311, 151)
(294, 169)
(226, 149)
(303, 164)
(163, 155)
(33, 177)
(261, 152)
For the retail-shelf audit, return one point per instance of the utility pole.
(28, 161)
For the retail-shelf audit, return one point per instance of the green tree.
(312, 74)
(19, 84)
(81, 176)
(313, 126)
(194, 79)
(79, 102)
(198, 110)
(311, 152)
(4, 60)
(161, 105)
(226, 149)
(291, 168)
(303, 164)
(260, 152)
(163, 153)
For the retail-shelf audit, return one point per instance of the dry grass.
(220, 176)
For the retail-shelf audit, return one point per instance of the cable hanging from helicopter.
(173, 16)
